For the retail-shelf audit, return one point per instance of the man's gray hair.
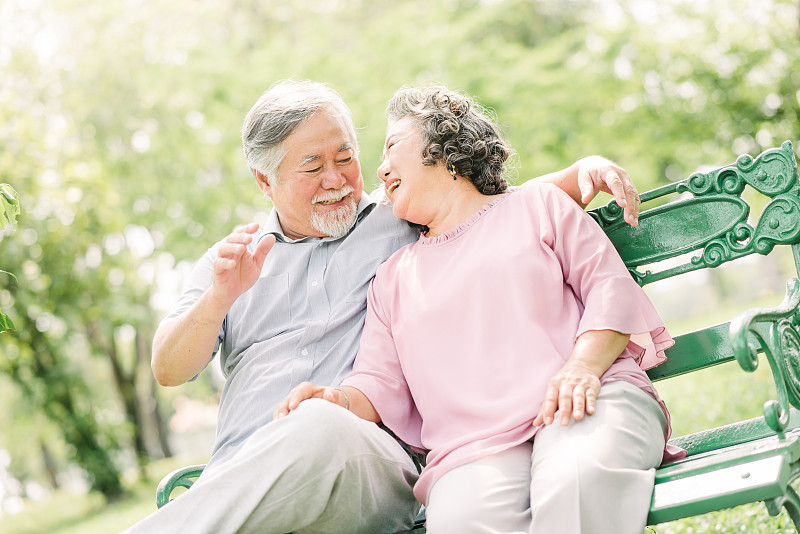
(282, 108)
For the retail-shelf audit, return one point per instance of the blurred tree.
(696, 83)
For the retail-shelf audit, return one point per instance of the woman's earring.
(452, 169)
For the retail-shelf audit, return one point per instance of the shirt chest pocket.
(260, 313)
(354, 276)
(356, 268)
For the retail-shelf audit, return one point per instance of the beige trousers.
(593, 476)
(320, 469)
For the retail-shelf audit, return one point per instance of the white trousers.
(320, 469)
(593, 476)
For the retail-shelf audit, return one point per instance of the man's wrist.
(215, 303)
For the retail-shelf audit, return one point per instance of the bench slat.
(729, 435)
(723, 487)
(748, 472)
(695, 350)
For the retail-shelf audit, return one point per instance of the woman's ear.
(263, 183)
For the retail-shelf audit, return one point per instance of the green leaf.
(9, 206)
(6, 323)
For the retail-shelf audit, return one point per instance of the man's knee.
(320, 430)
(318, 419)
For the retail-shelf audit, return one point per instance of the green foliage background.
(120, 124)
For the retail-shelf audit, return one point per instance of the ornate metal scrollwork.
(785, 361)
(713, 221)
(779, 162)
(608, 215)
(725, 180)
(789, 359)
(776, 417)
(732, 245)
(779, 224)
(714, 254)
(771, 173)
(775, 332)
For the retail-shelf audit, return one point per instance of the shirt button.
(304, 352)
(314, 283)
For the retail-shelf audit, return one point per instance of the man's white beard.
(335, 223)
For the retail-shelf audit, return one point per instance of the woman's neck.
(457, 205)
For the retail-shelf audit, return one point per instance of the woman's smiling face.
(405, 179)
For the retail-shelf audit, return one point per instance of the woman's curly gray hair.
(456, 131)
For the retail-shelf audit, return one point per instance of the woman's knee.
(447, 514)
(487, 495)
(452, 515)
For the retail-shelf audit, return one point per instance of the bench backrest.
(706, 226)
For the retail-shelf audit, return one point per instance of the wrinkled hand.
(236, 269)
(304, 391)
(596, 173)
(572, 392)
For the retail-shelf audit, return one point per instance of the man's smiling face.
(319, 181)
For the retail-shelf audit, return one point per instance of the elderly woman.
(513, 311)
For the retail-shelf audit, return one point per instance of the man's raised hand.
(236, 269)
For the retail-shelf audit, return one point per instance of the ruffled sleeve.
(612, 300)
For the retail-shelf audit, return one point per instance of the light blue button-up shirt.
(302, 320)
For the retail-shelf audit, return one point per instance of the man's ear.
(263, 183)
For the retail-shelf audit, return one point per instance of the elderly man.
(285, 304)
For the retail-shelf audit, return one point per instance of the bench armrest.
(773, 331)
(185, 477)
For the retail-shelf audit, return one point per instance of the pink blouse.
(464, 329)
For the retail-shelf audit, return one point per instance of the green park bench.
(702, 223)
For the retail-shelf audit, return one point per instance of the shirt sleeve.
(377, 373)
(612, 300)
(198, 281)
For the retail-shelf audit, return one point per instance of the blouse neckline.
(459, 230)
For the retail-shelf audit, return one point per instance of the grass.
(72, 513)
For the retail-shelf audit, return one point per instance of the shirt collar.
(273, 225)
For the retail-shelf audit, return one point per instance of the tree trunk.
(126, 385)
(48, 384)
(156, 421)
(49, 465)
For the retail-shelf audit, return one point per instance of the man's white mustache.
(333, 194)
